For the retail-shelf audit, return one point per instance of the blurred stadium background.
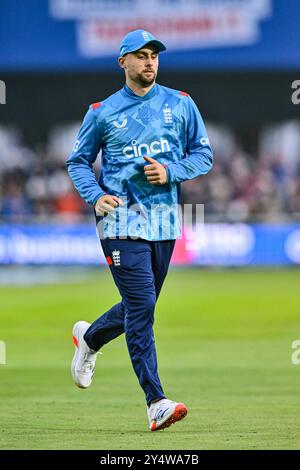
(238, 59)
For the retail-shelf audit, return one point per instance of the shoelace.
(160, 413)
(88, 365)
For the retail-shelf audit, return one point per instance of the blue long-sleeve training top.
(166, 125)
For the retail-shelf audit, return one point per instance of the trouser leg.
(134, 278)
(107, 327)
(139, 278)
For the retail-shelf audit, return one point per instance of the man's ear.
(121, 61)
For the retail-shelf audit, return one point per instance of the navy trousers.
(139, 268)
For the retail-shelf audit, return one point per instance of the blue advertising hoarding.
(224, 245)
(199, 34)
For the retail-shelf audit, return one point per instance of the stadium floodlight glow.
(2, 92)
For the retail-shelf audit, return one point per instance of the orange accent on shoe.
(153, 426)
(184, 93)
(179, 413)
(75, 341)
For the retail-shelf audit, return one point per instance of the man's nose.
(149, 61)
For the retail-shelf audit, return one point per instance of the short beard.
(145, 82)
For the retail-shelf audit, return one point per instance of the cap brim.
(160, 46)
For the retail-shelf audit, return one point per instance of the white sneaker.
(84, 360)
(163, 413)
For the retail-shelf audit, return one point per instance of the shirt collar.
(128, 92)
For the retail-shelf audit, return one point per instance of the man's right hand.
(107, 203)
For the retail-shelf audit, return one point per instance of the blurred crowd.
(242, 187)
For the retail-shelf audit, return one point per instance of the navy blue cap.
(137, 39)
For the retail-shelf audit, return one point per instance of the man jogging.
(151, 138)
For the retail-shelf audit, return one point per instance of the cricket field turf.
(224, 344)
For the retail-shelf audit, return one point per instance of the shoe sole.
(179, 413)
(73, 365)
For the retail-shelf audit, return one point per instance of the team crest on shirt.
(116, 258)
(121, 122)
(168, 116)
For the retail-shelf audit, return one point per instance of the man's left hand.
(155, 172)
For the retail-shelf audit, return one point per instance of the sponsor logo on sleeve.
(76, 145)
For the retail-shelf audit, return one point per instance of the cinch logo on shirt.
(138, 150)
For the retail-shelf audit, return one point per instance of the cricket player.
(151, 138)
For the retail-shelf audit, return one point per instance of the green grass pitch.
(224, 348)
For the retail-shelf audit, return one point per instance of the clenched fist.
(107, 203)
(155, 172)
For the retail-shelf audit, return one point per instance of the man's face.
(141, 66)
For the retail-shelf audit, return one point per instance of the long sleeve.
(84, 154)
(199, 158)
